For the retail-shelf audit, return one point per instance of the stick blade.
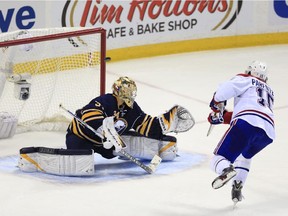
(156, 160)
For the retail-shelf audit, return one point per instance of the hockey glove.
(217, 118)
(217, 106)
(112, 138)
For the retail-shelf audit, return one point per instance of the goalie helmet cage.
(67, 65)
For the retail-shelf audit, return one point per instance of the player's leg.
(257, 142)
(242, 164)
(234, 141)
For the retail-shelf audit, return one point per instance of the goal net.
(42, 68)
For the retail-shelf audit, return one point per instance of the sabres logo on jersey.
(120, 125)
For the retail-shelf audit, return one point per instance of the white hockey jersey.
(253, 101)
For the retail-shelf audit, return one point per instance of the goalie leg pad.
(146, 148)
(57, 161)
(8, 124)
(219, 163)
(168, 148)
(140, 146)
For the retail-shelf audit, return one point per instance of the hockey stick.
(156, 160)
(216, 116)
(210, 129)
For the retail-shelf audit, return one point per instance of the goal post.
(41, 68)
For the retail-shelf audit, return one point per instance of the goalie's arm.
(85, 122)
(148, 126)
(92, 117)
(177, 119)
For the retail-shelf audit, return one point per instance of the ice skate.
(236, 191)
(227, 174)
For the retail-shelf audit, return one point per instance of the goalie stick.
(156, 160)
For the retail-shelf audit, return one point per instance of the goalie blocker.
(57, 161)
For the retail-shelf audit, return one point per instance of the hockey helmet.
(125, 88)
(258, 69)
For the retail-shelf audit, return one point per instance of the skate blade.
(220, 182)
(235, 200)
(234, 205)
(156, 160)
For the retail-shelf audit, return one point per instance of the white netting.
(63, 71)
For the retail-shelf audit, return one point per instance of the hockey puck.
(107, 59)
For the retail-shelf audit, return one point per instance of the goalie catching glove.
(177, 120)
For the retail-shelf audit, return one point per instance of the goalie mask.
(125, 88)
(258, 69)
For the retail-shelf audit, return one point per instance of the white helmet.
(258, 69)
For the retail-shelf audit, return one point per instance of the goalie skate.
(226, 175)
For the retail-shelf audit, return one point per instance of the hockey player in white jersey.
(251, 125)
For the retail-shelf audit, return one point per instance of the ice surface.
(178, 188)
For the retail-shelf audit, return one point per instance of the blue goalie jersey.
(126, 118)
